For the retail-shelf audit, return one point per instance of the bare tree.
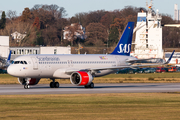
(11, 14)
(96, 34)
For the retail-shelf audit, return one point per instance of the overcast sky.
(76, 6)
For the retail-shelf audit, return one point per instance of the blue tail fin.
(9, 58)
(124, 45)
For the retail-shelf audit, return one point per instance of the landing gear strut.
(54, 84)
(90, 86)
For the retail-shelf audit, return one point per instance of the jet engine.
(81, 78)
(28, 81)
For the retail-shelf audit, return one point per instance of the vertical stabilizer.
(124, 45)
(9, 58)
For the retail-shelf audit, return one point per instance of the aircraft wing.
(150, 60)
(158, 62)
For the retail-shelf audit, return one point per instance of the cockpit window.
(16, 62)
(19, 62)
(25, 62)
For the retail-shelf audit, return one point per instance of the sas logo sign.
(124, 48)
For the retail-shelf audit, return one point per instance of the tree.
(50, 36)
(3, 20)
(81, 18)
(119, 23)
(167, 19)
(36, 23)
(11, 14)
(26, 15)
(95, 17)
(113, 36)
(107, 19)
(96, 34)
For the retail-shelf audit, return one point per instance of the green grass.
(91, 106)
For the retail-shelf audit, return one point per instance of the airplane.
(6, 63)
(80, 69)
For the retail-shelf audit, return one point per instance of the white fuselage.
(56, 66)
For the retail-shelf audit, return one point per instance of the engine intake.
(28, 81)
(81, 78)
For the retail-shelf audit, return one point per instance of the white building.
(176, 13)
(148, 41)
(4, 46)
(55, 50)
(79, 31)
(18, 36)
(18, 51)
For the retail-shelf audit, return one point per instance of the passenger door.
(35, 64)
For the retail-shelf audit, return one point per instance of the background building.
(18, 51)
(18, 36)
(176, 13)
(75, 30)
(4, 46)
(148, 41)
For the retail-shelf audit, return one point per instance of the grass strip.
(91, 106)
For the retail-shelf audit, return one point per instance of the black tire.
(86, 86)
(91, 85)
(56, 85)
(26, 86)
(52, 85)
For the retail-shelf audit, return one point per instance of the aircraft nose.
(10, 70)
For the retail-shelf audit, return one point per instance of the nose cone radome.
(10, 71)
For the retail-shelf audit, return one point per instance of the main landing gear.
(54, 84)
(90, 86)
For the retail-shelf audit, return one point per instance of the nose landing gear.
(26, 86)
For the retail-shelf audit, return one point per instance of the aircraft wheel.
(52, 85)
(56, 85)
(26, 86)
(86, 86)
(91, 85)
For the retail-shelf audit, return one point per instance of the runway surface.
(99, 88)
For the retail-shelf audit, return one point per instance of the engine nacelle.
(28, 81)
(81, 78)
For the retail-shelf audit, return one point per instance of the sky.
(77, 6)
